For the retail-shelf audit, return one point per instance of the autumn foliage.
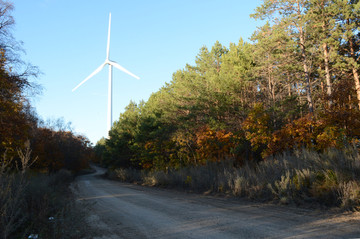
(294, 85)
(52, 149)
(19, 125)
(214, 145)
(56, 150)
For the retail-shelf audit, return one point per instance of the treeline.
(296, 84)
(54, 146)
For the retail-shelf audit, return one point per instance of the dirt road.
(122, 210)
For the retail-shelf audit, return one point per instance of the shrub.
(349, 195)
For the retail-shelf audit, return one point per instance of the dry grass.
(331, 178)
(38, 204)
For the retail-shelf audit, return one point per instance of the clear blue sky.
(66, 39)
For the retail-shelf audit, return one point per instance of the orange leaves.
(298, 133)
(301, 130)
(14, 125)
(310, 133)
(213, 145)
(148, 145)
(14, 128)
(60, 149)
(257, 126)
(331, 136)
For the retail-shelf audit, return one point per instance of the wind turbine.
(111, 64)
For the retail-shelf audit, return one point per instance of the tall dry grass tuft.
(349, 195)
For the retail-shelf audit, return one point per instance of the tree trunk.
(355, 72)
(327, 71)
(271, 86)
(357, 84)
(289, 89)
(306, 71)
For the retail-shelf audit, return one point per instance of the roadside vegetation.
(38, 205)
(304, 178)
(276, 118)
(38, 159)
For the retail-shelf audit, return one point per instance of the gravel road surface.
(121, 210)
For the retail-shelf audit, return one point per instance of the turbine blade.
(122, 69)
(91, 75)
(108, 40)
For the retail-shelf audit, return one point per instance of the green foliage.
(295, 85)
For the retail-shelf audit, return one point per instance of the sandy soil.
(120, 210)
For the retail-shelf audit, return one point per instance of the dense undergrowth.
(37, 205)
(330, 179)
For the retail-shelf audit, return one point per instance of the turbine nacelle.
(116, 65)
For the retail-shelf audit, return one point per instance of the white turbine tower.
(111, 64)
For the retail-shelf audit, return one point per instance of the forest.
(283, 107)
